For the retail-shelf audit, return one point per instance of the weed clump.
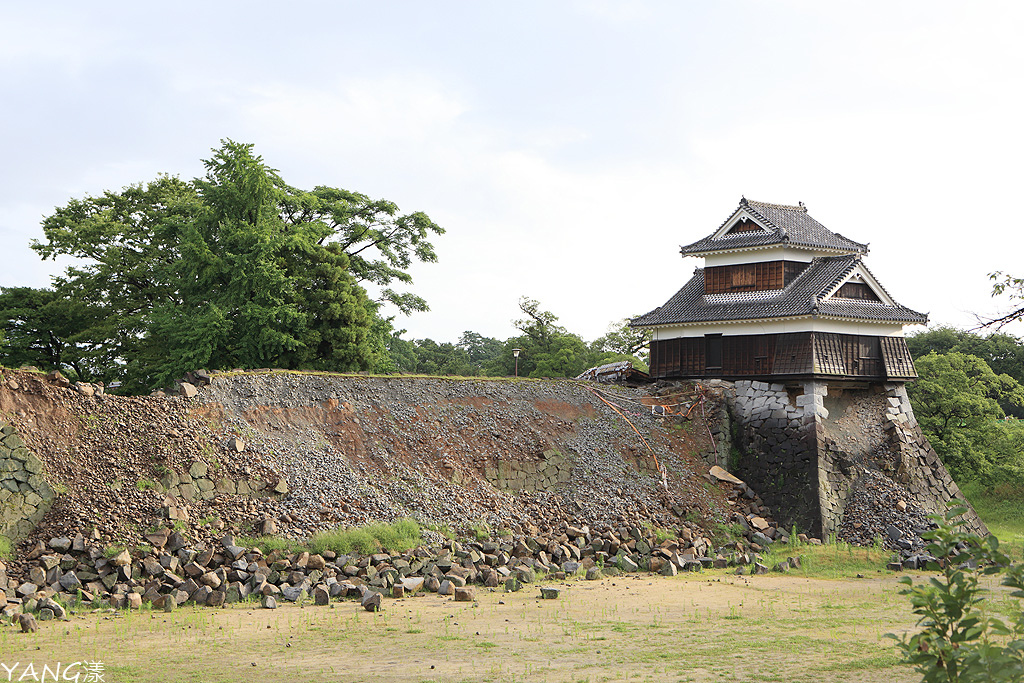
(396, 536)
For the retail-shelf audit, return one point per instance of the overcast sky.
(568, 148)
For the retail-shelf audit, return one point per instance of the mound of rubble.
(151, 492)
(170, 570)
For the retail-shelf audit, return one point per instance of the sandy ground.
(709, 627)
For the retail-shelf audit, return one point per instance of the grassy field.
(694, 627)
(1002, 509)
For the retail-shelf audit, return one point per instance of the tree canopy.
(957, 401)
(239, 269)
(235, 269)
(1003, 353)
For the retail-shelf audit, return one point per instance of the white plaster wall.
(803, 324)
(759, 255)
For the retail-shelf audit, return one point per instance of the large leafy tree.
(236, 269)
(626, 341)
(957, 402)
(1003, 353)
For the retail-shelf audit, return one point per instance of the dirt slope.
(319, 451)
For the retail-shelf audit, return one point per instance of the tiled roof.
(787, 225)
(800, 297)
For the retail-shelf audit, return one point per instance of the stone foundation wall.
(777, 441)
(805, 460)
(917, 465)
(25, 495)
(201, 483)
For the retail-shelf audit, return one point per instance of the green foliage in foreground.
(374, 538)
(961, 638)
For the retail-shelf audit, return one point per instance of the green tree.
(957, 403)
(482, 351)
(547, 348)
(625, 340)
(42, 329)
(236, 269)
(1004, 353)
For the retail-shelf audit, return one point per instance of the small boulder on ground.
(371, 601)
(28, 623)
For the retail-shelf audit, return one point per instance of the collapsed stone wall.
(811, 449)
(294, 454)
(25, 495)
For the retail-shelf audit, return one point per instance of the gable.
(860, 285)
(756, 225)
(741, 222)
(745, 224)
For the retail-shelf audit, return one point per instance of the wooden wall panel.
(793, 354)
(792, 269)
(856, 290)
(797, 354)
(744, 277)
(897, 359)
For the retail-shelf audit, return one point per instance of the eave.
(765, 247)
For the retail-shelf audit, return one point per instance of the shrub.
(960, 639)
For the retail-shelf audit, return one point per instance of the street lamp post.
(515, 352)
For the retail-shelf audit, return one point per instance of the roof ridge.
(785, 207)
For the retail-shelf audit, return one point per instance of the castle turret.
(780, 297)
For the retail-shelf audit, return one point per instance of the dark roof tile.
(790, 225)
(800, 297)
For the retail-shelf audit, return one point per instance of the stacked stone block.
(778, 441)
(25, 495)
(918, 466)
(802, 473)
(552, 470)
(200, 482)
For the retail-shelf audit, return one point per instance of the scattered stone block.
(549, 593)
(371, 601)
(28, 623)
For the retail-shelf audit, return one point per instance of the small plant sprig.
(960, 641)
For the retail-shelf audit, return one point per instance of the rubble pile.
(881, 511)
(169, 570)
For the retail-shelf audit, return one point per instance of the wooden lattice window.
(857, 290)
(744, 277)
(745, 225)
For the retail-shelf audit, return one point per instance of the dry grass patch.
(707, 627)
